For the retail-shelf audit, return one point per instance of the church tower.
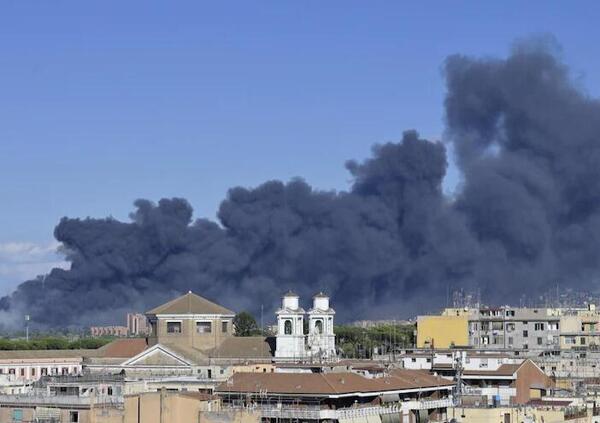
(290, 328)
(321, 339)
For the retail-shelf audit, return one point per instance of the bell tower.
(321, 339)
(290, 328)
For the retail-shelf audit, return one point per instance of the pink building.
(137, 324)
(108, 330)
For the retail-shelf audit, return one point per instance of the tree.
(245, 324)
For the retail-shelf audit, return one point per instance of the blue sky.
(105, 102)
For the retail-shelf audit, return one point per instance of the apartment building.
(527, 329)
(531, 329)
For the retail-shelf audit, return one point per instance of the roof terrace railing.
(315, 412)
(60, 400)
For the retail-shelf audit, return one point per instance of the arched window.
(319, 327)
(287, 327)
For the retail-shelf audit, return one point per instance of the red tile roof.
(325, 384)
(123, 348)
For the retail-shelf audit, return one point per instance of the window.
(17, 415)
(553, 326)
(22, 371)
(497, 326)
(582, 340)
(173, 327)
(65, 371)
(44, 371)
(510, 313)
(539, 326)
(414, 360)
(287, 327)
(525, 334)
(109, 391)
(525, 346)
(203, 327)
(485, 325)
(224, 327)
(11, 371)
(319, 327)
(539, 341)
(33, 371)
(570, 340)
(73, 416)
(209, 373)
(510, 327)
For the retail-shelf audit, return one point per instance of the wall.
(529, 375)
(190, 337)
(443, 331)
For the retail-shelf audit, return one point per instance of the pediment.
(157, 355)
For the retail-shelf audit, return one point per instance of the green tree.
(245, 324)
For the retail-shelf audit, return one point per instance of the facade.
(29, 366)
(442, 331)
(108, 331)
(190, 321)
(527, 329)
(290, 328)
(291, 341)
(321, 339)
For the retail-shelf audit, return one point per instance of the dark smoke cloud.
(526, 217)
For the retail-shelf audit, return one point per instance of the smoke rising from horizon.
(527, 215)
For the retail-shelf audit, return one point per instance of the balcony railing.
(315, 413)
(59, 400)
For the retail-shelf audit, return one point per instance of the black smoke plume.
(526, 216)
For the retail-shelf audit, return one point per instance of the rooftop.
(330, 384)
(190, 303)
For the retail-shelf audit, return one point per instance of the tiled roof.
(324, 384)
(123, 348)
(503, 370)
(245, 347)
(44, 354)
(190, 303)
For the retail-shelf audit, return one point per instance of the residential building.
(137, 325)
(108, 331)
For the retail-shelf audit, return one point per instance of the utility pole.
(27, 327)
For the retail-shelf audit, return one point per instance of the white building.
(290, 328)
(321, 339)
(292, 342)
